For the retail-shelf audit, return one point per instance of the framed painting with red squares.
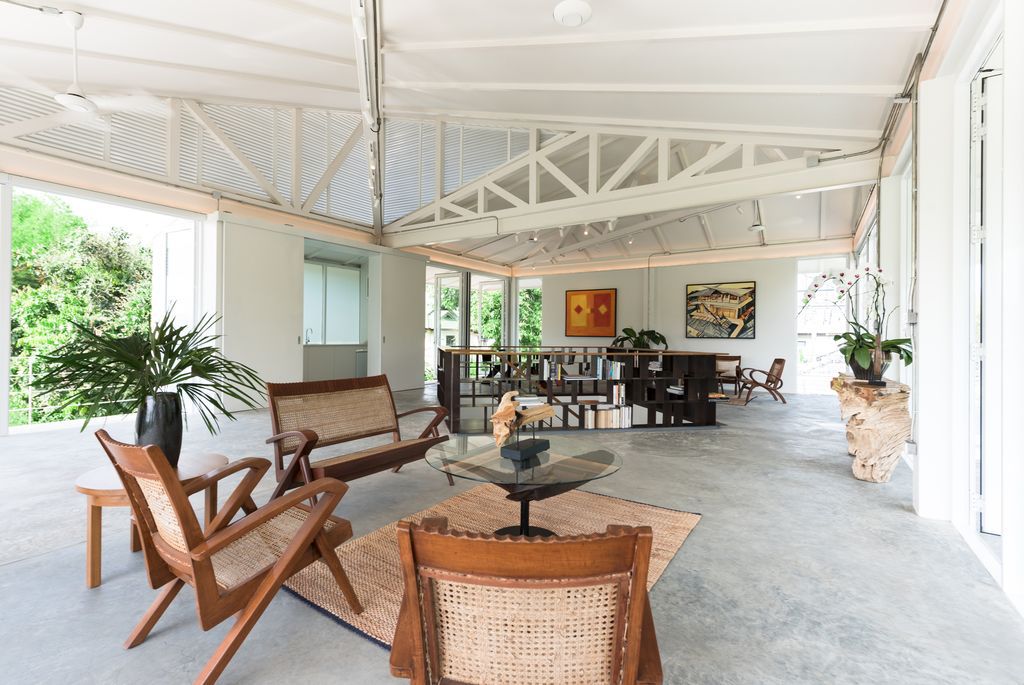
(590, 313)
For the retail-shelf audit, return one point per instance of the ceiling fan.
(74, 98)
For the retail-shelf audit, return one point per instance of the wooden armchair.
(770, 380)
(317, 414)
(727, 371)
(481, 609)
(234, 568)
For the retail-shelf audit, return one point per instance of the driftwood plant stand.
(878, 425)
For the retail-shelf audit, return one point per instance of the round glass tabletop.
(569, 460)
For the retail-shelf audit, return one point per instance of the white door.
(262, 300)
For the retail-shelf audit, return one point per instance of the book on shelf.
(579, 378)
(675, 390)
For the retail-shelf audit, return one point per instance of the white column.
(5, 301)
(1013, 326)
(934, 353)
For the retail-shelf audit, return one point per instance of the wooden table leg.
(93, 540)
(211, 504)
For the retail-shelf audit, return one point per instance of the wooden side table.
(102, 488)
(878, 425)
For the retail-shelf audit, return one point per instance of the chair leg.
(395, 470)
(156, 610)
(236, 636)
(330, 557)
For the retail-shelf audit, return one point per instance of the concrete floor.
(798, 573)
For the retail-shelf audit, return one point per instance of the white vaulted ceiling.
(287, 52)
(823, 67)
(261, 99)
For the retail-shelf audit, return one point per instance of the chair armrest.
(207, 479)
(439, 410)
(268, 511)
(305, 436)
(769, 379)
(431, 428)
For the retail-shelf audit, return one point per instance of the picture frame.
(721, 311)
(591, 313)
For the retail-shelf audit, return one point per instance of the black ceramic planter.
(864, 374)
(159, 423)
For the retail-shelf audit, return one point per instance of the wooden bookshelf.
(674, 393)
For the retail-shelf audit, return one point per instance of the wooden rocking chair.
(770, 380)
(235, 568)
(482, 609)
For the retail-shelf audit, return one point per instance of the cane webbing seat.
(235, 567)
(499, 610)
(256, 551)
(310, 416)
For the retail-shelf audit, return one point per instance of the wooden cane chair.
(235, 568)
(317, 414)
(483, 609)
(770, 380)
(727, 371)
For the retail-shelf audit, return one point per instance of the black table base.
(524, 527)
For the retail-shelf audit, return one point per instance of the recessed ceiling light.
(572, 13)
(799, 196)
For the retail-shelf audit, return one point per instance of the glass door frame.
(985, 301)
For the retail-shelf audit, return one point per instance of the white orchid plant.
(859, 344)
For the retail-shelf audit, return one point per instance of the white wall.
(775, 332)
(261, 281)
(775, 310)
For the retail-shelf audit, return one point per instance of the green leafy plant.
(859, 343)
(105, 374)
(640, 340)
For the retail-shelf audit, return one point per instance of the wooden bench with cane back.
(317, 414)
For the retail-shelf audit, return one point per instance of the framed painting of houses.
(720, 310)
(590, 313)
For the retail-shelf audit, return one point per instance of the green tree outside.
(62, 273)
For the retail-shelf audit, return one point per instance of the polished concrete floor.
(797, 573)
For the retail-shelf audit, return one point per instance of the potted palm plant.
(152, 374)
(863, 347)
(640, 340)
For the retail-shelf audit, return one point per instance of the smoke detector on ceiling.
(572, 13)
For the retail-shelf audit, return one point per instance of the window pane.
(313, 303)
(342, 306)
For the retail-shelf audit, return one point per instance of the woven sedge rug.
(373, 565)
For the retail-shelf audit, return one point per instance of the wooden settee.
(313, 415)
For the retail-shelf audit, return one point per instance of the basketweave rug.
(373, 565)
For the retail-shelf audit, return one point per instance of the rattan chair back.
(168, 526)
(537, 610)
(337, 410)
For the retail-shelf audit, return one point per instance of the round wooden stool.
(102, 488)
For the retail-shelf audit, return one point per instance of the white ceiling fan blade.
(141, 103)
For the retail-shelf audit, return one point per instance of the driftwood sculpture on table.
(878, 425)
(508, 417)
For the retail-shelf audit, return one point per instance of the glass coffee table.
(569, 463)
